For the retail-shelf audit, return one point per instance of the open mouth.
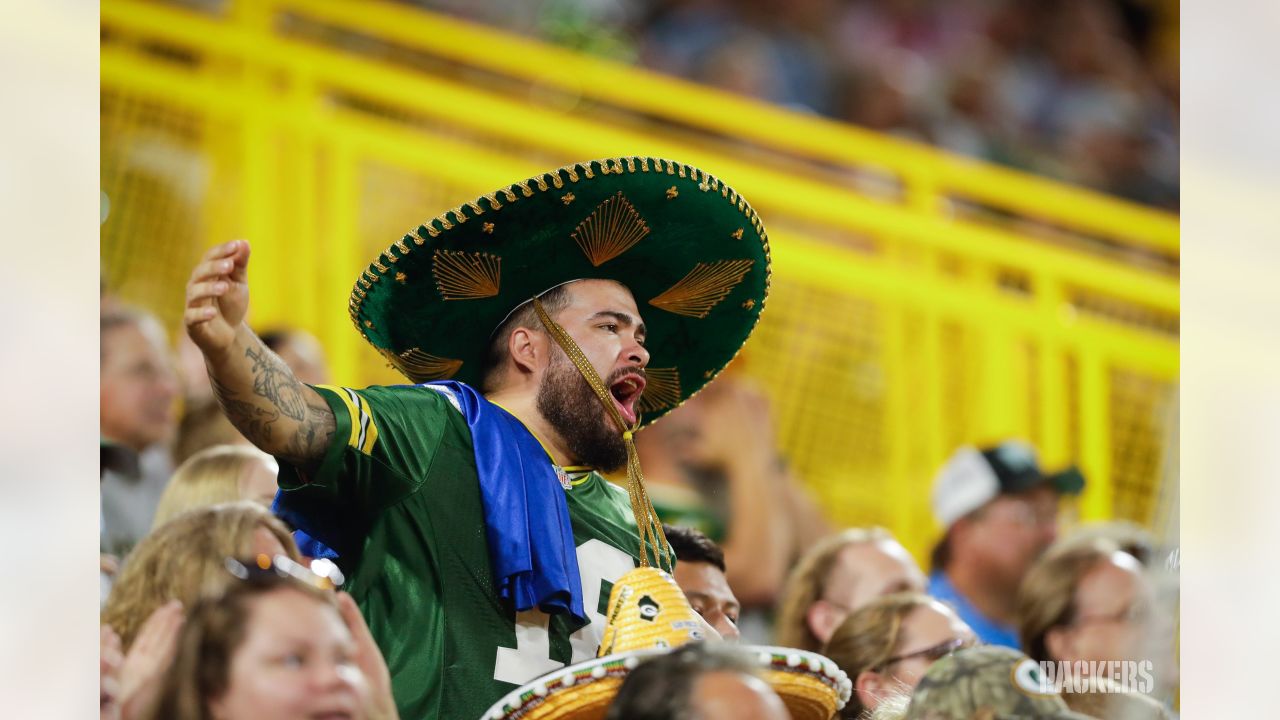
(626, 393)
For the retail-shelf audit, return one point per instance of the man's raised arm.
(256, 390)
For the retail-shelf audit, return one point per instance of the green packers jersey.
(400, 477)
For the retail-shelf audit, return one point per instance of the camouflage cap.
(987, 682)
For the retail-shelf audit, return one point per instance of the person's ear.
(962, 531)
(822, 618)
(871, 688)
(526, 348)
(1060, 642)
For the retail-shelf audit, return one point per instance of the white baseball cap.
(973, 477)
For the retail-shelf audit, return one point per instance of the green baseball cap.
(691, 250)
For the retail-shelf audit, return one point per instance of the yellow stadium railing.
(967, 303)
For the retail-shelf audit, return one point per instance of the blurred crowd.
(1080, 90)
(209, 608)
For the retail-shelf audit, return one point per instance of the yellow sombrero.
(649, 615)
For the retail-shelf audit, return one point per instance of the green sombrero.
(692, 251)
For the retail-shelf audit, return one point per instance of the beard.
(573, 409)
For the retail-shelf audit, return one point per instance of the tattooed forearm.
(252, 421)
(273, 381)
(274, 410)
(312, 437)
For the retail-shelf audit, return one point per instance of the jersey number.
(598, 563)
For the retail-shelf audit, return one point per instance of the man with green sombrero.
(545, 323)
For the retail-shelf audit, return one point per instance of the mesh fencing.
(872, 386)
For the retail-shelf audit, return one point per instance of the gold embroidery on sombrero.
(661, 390)
(610, 230)
(702, 288)
(422, 366)
(736, 234)
(458, 216)
(466, 276)
(437, 226)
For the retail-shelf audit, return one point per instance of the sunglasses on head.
(322, 574)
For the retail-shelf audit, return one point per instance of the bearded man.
(468, 511)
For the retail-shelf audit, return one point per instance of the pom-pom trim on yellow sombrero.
(810, 685)
(692, 251)
(648, 616)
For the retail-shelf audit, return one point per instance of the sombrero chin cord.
(651, 534)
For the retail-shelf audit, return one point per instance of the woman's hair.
(209, 477)
(869, 636)
(183, 559)
(808, 583)
(203, 426)
(1046, 598)
(214, 629)
(893, 707)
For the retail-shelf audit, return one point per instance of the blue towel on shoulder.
(531, 548)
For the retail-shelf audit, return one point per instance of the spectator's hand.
(369, 660)
(735, 425)
(109, 660)
(218, 297)
(108, 564)
(145, 664)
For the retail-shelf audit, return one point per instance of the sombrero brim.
(810, 685)
(692, 251)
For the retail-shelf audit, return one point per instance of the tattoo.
(275, 382)
(312, 438)
(278, 401)
(252, 421)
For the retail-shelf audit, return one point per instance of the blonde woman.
(223, 473)
(1093, 603)
(183, 559)
(838, 575)
(274, 646)
(887, 646)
